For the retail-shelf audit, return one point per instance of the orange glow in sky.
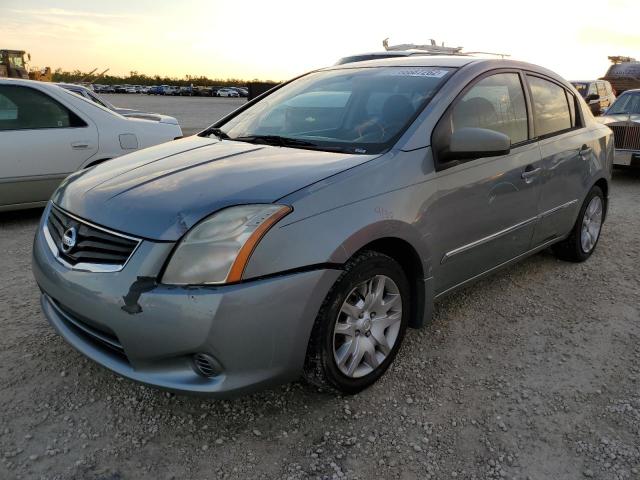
(280, 39)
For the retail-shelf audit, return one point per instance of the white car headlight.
(217, 249)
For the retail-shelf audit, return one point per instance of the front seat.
(396, 111)
(475, 112)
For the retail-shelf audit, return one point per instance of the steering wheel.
(371, 130)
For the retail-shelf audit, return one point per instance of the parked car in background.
(227, 92)
(127, 112)
(47, 132)
(155, 90)
(119, 89)
(597, 93)
(242, 92)
(623, 117)
(302, 234)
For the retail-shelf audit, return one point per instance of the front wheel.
(584, 236)
(360, 326)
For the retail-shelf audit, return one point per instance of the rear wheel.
(360, 326)
(586, 232)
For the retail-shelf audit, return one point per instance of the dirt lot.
(531, 374)
(193, 113)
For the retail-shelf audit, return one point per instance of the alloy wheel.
(591, 224)
(367, 326)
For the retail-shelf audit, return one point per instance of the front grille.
(626, 137)
(98, 337)
(91, 245)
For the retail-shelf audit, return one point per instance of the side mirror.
(592, 97)
(468, 143)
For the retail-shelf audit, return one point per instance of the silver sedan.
(302, 234)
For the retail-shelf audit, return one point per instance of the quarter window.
(602, 91)
(23, 108)
(495, 103)
(550, 107)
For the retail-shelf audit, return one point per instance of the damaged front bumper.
(256, 331)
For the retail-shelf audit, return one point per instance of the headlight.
(218, 248)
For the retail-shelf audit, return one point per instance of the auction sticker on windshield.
(420, 72)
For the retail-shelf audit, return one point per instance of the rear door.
(487, 207)
(42, 141)
(566, 148)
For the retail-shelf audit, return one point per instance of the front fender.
(332, 237)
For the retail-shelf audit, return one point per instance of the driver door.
(486, 209)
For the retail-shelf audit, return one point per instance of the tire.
(572, 249)
(375, 337)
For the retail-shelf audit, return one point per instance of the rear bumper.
(257, 331)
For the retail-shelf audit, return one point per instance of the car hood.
(161, 192)
(619, 118)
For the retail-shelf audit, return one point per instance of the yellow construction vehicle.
(14, 65)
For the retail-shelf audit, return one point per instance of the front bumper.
(258, 331)
(626, 157)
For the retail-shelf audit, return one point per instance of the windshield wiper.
(215, 131)
(275, 140)
(290, 142)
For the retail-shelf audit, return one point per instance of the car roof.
(449, 61)
(29, 83)
(588, 81)
(412, 61)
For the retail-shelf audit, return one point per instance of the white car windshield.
(626, 103)
(355, 110)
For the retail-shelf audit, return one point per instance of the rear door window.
(8, 110)
(550, 107)
(25, 108)
(495, 103)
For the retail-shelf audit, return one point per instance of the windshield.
(100, 101)
(90, 102)
(16, 61)
(360, 110)
(626, 103)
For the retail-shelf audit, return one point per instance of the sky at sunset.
(280, 39)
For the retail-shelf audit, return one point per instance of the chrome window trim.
(84, 266)
(505, 231)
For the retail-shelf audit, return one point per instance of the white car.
(47, 132)
(227, 92)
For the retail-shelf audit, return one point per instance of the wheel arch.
(93, 163)
(604, 186)
(403, 252)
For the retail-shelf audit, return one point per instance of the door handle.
(80, 145)
(528, 174)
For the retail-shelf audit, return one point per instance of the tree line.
(135, 78)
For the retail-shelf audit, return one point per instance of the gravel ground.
(530, 374)
(193, 113)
